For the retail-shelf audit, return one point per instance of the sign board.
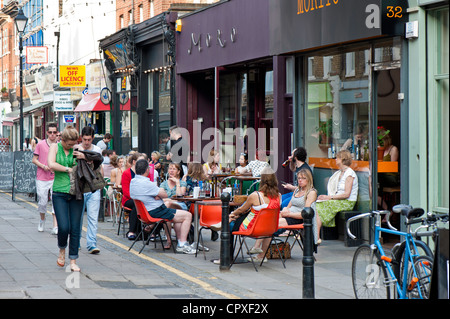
(6, 170)
(24, 179)
(305, 24)
(62, 101)
(69, 119)
(72, 76)
(37, 55)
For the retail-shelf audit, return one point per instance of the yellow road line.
(173, 270)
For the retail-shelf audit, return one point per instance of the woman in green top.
(68, 210)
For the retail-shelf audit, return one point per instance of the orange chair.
(146, 220)
(265, 225)
(210, 215)
(294, 230)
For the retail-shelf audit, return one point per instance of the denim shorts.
(163, 212)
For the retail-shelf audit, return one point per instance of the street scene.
(206, 150)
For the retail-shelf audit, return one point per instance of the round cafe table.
(196, 203)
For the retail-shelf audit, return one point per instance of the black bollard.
(225, 236)
(308, 258)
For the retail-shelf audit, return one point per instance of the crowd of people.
(144, 178)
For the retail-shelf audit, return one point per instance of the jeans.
(68, 213)
(92, 205)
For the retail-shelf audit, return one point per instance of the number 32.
(394, 12)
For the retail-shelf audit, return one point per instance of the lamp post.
(21, 22)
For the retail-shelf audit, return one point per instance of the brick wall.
(123, 8)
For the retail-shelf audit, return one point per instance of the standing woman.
(68, 210)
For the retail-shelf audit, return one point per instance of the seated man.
(141, 188)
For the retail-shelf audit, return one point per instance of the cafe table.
(195, 201)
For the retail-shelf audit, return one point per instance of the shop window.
(438, 106)
(337, 116)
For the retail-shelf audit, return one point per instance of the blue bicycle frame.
(409, 257)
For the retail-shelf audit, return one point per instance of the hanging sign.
(72, 76)
(37, 55)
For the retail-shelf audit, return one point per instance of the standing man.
(179, 151)
(45, 176)
(91, 200)
(104, 143)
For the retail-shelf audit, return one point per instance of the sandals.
(61, 261)
(168, 245)
(74, 267)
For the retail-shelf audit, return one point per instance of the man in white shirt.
(256, 166)
(103, 144)
(91, 200)
(148, 192)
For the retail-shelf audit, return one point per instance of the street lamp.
(21, 22)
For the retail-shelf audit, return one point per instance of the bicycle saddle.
(408, 211)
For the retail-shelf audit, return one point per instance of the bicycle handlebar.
(369, 214)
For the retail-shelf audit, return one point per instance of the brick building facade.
(145, 9)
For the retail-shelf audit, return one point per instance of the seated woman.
(174, 186)
(155, 160)
(268, 196)
(304, 196)
(342, 191)
(194, 175)
(212, 166)
(243, 162)
(117, 171)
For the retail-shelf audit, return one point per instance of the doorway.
(389, 139)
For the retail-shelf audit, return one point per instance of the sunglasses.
(52, 132)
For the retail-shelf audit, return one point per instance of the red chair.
(147, 220)
(210, 215)
(265, 225)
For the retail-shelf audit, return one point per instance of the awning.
(92, 103)
(9, 121)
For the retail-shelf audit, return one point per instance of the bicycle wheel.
(399, 256)
(369, 275)
(420, 272)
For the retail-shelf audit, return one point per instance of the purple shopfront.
(227, 79)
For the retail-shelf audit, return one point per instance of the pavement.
(28, 267)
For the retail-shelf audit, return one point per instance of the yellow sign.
(72, 76)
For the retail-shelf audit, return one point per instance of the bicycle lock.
(308, 258)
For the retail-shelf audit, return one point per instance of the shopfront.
(229, 83)
(349, 90)
(121, 97)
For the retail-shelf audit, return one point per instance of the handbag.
(278, 250)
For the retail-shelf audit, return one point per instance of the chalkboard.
(24, 180)
(6, 170)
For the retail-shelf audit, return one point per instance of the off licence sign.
(72, 76)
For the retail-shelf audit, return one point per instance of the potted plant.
(381, 134)
(324, 130)
(4, 92)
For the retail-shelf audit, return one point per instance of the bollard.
(308, 258)
(225, 235)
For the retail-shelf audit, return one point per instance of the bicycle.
(376, 275)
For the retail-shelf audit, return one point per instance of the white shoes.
(186, 249)
(41, 225)
(54, 231)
